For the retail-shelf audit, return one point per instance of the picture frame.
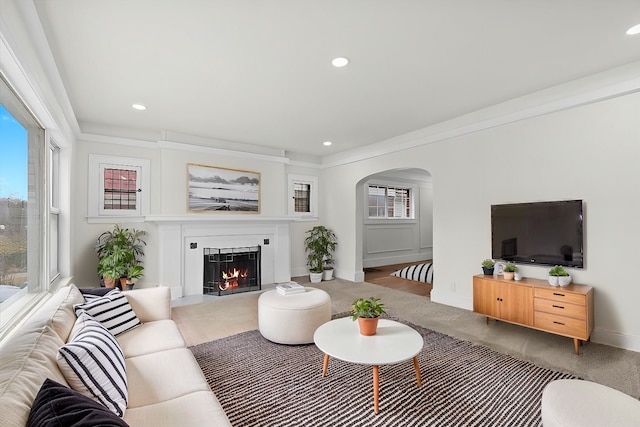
(213, 189)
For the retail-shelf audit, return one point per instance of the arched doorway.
(394, 223)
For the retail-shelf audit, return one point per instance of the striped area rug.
(260, 383)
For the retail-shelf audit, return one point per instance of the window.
(303, 195)
(386, 202)
(22, 182)
(118, 186)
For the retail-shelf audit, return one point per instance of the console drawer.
(558, 294)
(560, 308)
(560, 325)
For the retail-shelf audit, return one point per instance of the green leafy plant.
(488, 263)
(120, 253)
(320, 245)
(510, 268)
(367, 308)
(558, 271)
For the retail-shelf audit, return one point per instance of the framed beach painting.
(215, 189)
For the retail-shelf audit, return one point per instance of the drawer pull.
(558, 323)
(558, 294)
(558, 306)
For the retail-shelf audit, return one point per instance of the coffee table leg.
(376, 386)
(417, 366)
(325, 365)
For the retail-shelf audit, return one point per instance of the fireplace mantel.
(182, 239)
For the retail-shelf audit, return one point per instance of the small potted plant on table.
(509, 271)
(487, 266)
(367, 312)
(558, 276)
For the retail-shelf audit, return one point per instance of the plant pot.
(109, 282)
(564, 280)
(553, 280)
(368, 326)
(327, 274)
(508, 275)
(488, 271)
(315, 277)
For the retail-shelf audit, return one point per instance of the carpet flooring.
(260, 383)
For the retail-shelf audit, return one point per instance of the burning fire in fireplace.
(231, 278)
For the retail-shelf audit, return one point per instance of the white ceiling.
(259, 72)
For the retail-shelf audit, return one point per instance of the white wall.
(590, 153)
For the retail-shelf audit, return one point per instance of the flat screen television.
(546, 233)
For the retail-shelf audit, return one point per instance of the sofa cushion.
(26, 360)
(57, 310)
(151, 337)
(200, 408)
(93, 364)
(112, 310)
(56, 405)
(163, 376)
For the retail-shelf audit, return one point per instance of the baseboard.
(616, 339)
(399, 259)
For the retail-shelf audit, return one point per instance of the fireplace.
(231, 270)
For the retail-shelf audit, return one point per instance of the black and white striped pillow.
(112, 310)
(417, 272)
(92, 362)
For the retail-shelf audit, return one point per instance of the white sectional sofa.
(165, 384)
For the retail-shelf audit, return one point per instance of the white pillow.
(112, 310)
(92, 362)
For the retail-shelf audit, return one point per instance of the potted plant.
(558, 276)
(119, 255)
(367, 312)
(319, 245)
(509, 271)
(487, 267)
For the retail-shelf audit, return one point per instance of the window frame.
(96, 212)
(312, 182)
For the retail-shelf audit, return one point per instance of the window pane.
(302, 197)
(120, 189)
(21, 195)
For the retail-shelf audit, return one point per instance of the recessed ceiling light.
(139, 107)
(339, 62)
(634, 30)
(327, 143)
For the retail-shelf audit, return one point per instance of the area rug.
(260, 383)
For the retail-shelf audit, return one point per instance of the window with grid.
(118, 186)
(302, 197)
(120, 189)
(387, 202)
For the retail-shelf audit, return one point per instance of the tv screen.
(547, 233)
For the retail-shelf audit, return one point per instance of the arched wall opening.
(386, 241)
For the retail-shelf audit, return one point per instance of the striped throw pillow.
(417, 272)
(92, 362)
(112, 310)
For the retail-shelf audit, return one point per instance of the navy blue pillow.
(56, 405)
(95, 291)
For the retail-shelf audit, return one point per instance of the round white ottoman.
(585, 403)
(293, 319)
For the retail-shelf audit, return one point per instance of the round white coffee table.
(393, 343)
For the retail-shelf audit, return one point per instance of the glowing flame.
(231, 278)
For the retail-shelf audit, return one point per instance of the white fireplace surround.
(182, 267)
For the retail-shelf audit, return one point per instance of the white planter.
(553, 280)
(564, 280)
(315, 277)
(327, 274)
